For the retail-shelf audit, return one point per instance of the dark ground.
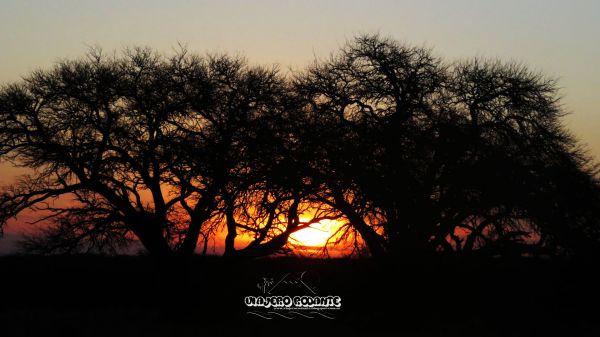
(128, 296)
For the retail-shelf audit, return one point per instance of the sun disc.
(316, 235)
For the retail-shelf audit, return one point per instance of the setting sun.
(317, 235)
(313, 168)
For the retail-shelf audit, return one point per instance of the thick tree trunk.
(231, 232)
(156, 246)
(152, 239)
(370, 237)
(188, 247)
(200, 214)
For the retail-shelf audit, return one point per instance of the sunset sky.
(558, 38)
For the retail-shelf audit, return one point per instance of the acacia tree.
(96, 131)
(142, 146)
(431, 156)
(239, 142)
(411, 154)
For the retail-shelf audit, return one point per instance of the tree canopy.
(411, 154)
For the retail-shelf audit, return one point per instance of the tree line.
(413, 155)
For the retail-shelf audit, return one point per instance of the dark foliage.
(412, 155)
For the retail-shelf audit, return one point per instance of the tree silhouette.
(411, 154)
(147, 146)
(431, 156)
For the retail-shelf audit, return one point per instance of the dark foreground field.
(136, 296)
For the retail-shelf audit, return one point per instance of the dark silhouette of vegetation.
(165, 150)
(431, 156)
(411, 154)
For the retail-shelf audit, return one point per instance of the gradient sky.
(559, 38)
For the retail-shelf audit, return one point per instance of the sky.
(558, 38)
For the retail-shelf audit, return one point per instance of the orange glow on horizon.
(316, 235)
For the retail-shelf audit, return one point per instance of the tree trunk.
(152, 239)
(198, 217)
(188, 247)
(371, 238)
(231, 232)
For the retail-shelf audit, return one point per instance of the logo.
(292, 296)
